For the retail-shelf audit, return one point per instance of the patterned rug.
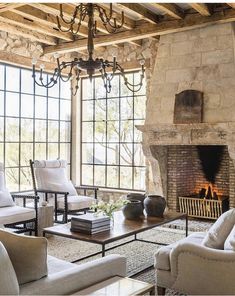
(139, 255)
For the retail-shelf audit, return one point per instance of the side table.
(45, 218)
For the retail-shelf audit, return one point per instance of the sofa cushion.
(6, 199)
(162, 256)
(76, 202)
(220, 230)
(8, 280)
(28, 255)
(9, 215)
(229, 243)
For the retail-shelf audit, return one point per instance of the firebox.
(198, 179)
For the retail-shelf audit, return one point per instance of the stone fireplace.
(203, 60)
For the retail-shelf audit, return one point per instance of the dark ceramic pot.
(155, 205)
(133, 210)
(136, 196)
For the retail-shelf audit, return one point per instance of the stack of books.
(90, 223)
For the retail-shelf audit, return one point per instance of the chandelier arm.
(74, 92)
(109, 21)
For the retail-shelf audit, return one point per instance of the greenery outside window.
(35, 123)
(111, 153)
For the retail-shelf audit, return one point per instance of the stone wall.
(201, 59)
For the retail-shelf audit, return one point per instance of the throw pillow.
(229, 244)
(64, 187)
(8, 280)
(6, 199)
(220, 230)
(28, 255)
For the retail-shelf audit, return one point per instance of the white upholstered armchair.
(21, 218)
(50, 179)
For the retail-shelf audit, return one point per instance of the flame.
(210, 186)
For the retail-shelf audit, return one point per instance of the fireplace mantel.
(222, 133)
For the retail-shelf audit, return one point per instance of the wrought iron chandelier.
(106, 68)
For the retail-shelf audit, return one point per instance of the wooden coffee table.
(121, 228)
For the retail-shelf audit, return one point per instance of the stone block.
(205, 44)
(227, 70)
(210, 72)
(181, 36)
(217, 57)
(194, 34)
(165, 90)
(213, 100)
(224, 41)
(196, 85)
(186, 61)
(181, 48)
(180, 75)
(164, 50)
(167, 38)
(215, 30)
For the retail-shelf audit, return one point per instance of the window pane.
(100, 131)
(12, 78)
(26, 130)
(40, 151)
(124, 90)
(39, 90)
(87, 174)
(53, 151)
(112, 154)
(137, 133)
(113, 109)
(12, 154)
(87, 131)
(87, 89)
(1, 101)
(126, 154)
(87, 153)
(100, 175)
(113, 131)
(26, 81)
(40, 130)
(87, 110)
(139, 178)
(100, 110)
(27, 106)
(65, 110)
(65, 152)
(65, 91)
(99, 90)
(126, 131)
(1, 152)
(26, 153)
(53, 131)
(112, 176)
(53, 91)
(12, 129)
(115, 87)
(65, 131)
(126, 108)
(25, 179)
(12, 104)
(53, 108)
(126, 177)
(139, 159)
(1, 129)
(12, 179)
(2, 77)
(40, 107)
(139, 107)
(99, 154)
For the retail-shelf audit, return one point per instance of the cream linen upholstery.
(5, 197)
(230, 241)
(9, 215)
(28, 255)
(77, 202)
(8, 280)
(220, 230)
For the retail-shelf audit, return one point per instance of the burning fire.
(209, 192)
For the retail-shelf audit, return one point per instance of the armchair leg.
(161, 290)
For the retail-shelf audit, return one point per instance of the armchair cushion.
(8, 280)
(220, 230)
(76, 202)
(6, 199)
(28, 255)
(229, 244)
(63, 187)
(11, 215)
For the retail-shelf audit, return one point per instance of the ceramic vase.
(154, 205)
(133, 210)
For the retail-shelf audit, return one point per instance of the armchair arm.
(52, 191)
(25, 197)
(197, 269)
(85, 188)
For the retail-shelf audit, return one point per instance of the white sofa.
(61, 278)
(191, 268)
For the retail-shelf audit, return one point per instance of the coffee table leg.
(103, 250)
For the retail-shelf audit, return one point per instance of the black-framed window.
(35, 123)
(111, 153)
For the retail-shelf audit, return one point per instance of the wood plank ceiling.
(37, 21)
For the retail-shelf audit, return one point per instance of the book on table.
(91, 218)
(90, 231)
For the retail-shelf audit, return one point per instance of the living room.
(117, 148)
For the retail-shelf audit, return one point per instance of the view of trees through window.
(111, 151)
(35, 123)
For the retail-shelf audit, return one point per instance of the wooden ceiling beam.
(142, 11)
(20, 21)
(145, 31)
(170, 9)
(202, 8)
(10, 6)
(231, 5)
(34, 36)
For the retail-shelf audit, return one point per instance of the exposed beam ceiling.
(9, 6)
(149, 30)
(202, 8)
(170, 9)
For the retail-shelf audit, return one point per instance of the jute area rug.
(139, 255)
